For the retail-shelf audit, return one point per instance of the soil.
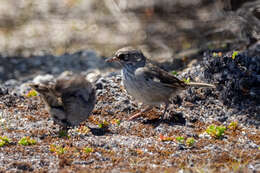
(148, 144)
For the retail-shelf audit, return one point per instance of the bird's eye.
(123, 57)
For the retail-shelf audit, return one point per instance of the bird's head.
(128, 57)
(40, 88)
(44, 90)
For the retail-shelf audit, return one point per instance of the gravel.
(146, 144)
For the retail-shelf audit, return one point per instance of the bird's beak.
(112, 59)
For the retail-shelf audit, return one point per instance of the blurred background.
(164, 30)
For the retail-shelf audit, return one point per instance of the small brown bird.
(146, 82)
(69, 101)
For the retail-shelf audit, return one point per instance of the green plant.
(63, 133)
(233, 125)
(61, 150)
(57, 149)
(104, 124)
(234, 54)
(4, 141)
(117, 122)
(31, 93)
(190, 141)
(186, 80)
(216, 131)
(180, 139)
(175, 73)
(27, 141)
(88, 150)
(215, 54)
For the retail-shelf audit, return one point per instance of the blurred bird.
(69, 101)
(146, 82)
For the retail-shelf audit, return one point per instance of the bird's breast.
(143, 90)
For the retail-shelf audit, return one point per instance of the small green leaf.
(2, 143)
(60, 150)
(175, 73)
(5, 139)
(100, 125)
(88, 150)
(216, 131)
(186, 80)
(57, 149)
(27, 141)
(233, 125)
(190, 141)
(234, 54)
(63, 133)
(180, 139)
(32, 93)
(117, 122)
(105, 124)
(215, 54)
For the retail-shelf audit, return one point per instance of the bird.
(69, 101)
(147, 82)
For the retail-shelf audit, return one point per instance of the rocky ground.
(181, 142)
(205, 130)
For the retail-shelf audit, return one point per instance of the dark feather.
(151, 71)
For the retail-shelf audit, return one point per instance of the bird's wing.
(78, 105)
(154, 73)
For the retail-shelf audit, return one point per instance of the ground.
(180, 141)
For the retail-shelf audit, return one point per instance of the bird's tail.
(201, 85)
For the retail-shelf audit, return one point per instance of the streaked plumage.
(146, 82)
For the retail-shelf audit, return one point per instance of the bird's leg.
(165, 109)
(140, 113)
